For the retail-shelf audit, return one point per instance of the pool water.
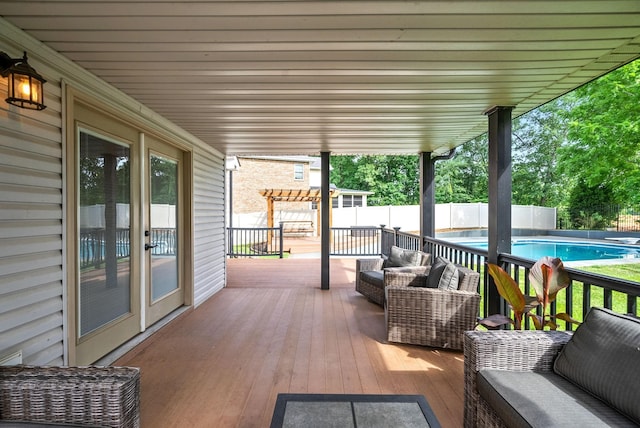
(567, 251)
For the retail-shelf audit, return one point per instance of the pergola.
(295, 195)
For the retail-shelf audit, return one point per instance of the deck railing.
(92, 244)
(355, 241)
(472, 258)
(370, 240)
(391, 237)
(255, 242)
(587, 289)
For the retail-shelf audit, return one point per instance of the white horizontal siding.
(45, 347)
(209, 231)
(30, 245)
(32, 280)
(31, 273)
(30, 211)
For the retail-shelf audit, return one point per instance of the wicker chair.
(431, 316)
(374, 290)
(79, 396)
(504, 350)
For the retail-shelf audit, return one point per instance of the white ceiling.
(299, 77)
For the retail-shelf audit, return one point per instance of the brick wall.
(255, 175)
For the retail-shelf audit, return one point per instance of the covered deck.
(209, 79)
(273, 330)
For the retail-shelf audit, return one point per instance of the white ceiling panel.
(300, 77)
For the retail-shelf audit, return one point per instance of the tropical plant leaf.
(548, 277)
(507, 287)
(530, 302)
(537, 277)
(566, 317)
(546, 274)
(558, 280)
(495, 320)
(537, 321)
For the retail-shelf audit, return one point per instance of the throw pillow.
(401, 258)
(449, 278)
(424, 259)
(436, 273)
(603, 358)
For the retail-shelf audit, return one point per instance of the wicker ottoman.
(94, 396)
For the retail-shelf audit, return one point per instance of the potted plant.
(547, 277)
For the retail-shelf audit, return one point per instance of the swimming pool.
(568, 251)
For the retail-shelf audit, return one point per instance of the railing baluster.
(586, 298)
(607, 299)
(632, 305)
(569, 304)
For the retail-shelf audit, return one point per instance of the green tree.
(464, 178)
(164, 174)
(604, 133)
(343, 172)
(537, 139)
(393, 179)
(590, 205)
(92, 180)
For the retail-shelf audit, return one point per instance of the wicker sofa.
(77, 396)
(554, 378)
(418, 315)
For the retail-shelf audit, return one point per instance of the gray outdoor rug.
(352, 410)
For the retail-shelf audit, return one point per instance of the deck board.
(273, 330)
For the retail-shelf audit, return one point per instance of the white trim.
(295, 171)
(143, 226)
(65, 203)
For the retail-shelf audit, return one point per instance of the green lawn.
(630, 272)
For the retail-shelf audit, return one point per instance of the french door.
(107, 295)
(164, 288)
(127, 258)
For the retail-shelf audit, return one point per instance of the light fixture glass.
(24, 84)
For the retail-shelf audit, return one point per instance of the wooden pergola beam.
(295, 195)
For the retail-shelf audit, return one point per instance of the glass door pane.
(164, 231)
(103, 251)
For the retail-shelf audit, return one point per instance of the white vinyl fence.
(407, 217)
(162, 216)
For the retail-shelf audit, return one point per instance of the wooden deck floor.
(273, 330)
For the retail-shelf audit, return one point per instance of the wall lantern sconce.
(24, 84)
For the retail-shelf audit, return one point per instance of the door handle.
(148, 246)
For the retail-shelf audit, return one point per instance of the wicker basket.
(96, 396)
